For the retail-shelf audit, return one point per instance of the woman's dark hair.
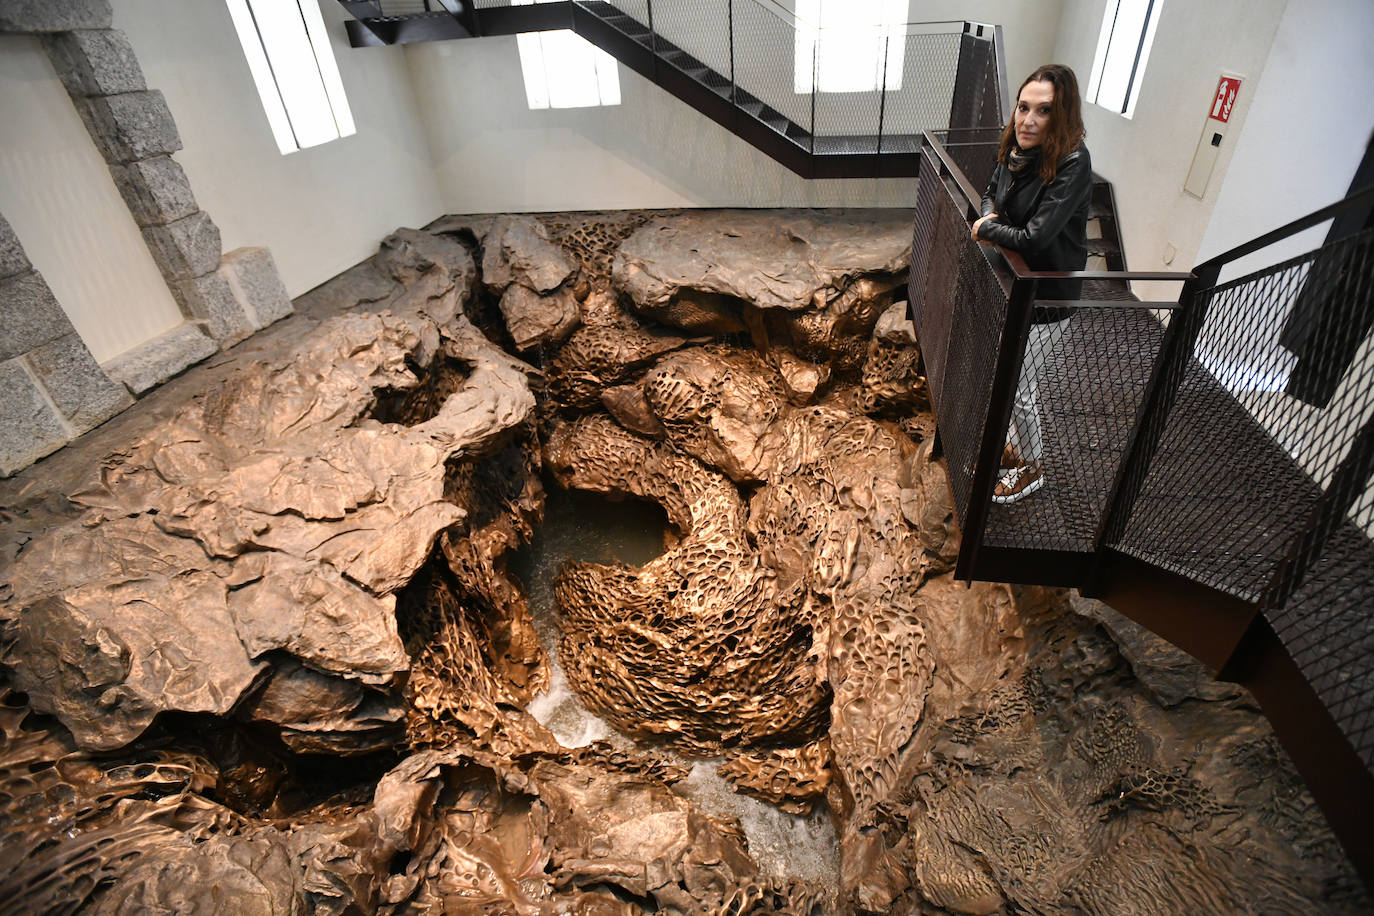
(1065, 132)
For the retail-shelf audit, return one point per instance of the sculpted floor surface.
(263, 651)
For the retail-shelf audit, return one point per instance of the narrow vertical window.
(849, 46)
(293, 66)
(1123, 47)
(564, 70)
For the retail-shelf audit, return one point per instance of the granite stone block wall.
(54, 15)
(51, 388)
(135, 133)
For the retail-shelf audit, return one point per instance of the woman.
(1036, 203)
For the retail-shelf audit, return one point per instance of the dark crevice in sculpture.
(585, 526)
(255, 773)
(414, 405)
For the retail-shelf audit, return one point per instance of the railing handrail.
(972, 196)
(1014, 259)
(1018, 265)
(1314, 218)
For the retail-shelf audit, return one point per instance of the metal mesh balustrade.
(847, 122)
(1262, 483)
(700, 31)
(1242, 460)
(1091, 371)
(959, 305)
(980, 312)
(923, 227)
(939, 226)
(973, 150)
(892, 120)
(930, 66)
(764, 55)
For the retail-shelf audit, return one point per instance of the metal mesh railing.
(1261, 486)
(1082, 383)
(1085, 372)
(700, 30)
(1083, 378)
(1258, 430)
(764, 65)
(930, 69)
(779, 69)
(959, 308)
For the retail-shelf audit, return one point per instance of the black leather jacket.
(1047, 224)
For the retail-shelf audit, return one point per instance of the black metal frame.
(1233, 634)
(980, 94)
(977, 559)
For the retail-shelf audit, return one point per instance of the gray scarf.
(1017, 160)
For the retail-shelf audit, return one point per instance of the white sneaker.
(1018, 483)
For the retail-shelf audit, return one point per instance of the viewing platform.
(1207, 458)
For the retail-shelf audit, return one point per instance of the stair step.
(409, 17)
(627, 25)
(687, 64)
(777, 122)
(713, 80)
(634, 28)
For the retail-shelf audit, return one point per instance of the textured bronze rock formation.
(307, 562)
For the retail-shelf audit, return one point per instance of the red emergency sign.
(1227, 89)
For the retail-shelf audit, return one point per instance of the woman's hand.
(973, 234)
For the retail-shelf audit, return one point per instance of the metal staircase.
(1208, 458)
(734, 61)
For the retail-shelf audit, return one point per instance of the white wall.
(57, 194)
(1030, 29)
(319, 210)
(1306, 131)
(1303, 140)
(493, 154)
(1147, 157)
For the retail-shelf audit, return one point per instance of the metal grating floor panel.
(1090, 392)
